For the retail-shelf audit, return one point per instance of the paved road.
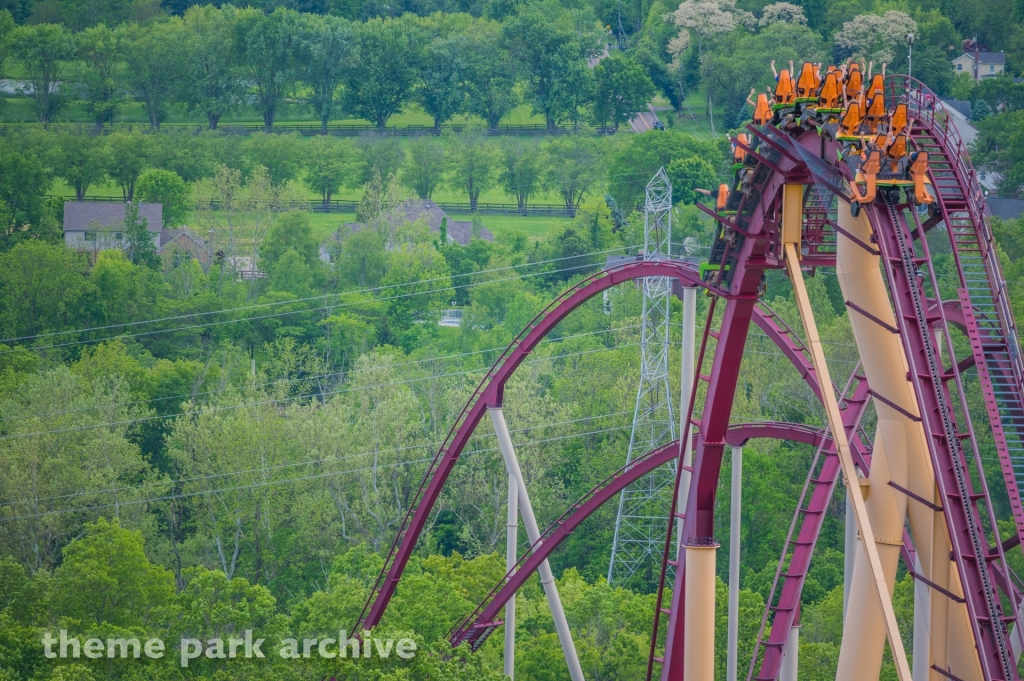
(644, 120)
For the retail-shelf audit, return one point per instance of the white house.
(98, 225)
(980, 65)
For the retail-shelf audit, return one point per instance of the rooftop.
(80, 215)
(986, 57)
(414, 210)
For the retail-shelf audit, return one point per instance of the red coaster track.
(749, 244)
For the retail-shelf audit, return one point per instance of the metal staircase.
(981, 289)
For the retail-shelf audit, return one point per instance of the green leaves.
(106, 578)
(383, 75)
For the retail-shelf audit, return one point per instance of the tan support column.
(791, 241)
(699, 613)
(907, 462)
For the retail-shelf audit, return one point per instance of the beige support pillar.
(547, 579)
(791, 241)
(907, 462)
(791, 660)
(699, 613)
(511, 558)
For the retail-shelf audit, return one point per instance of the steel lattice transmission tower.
(641, 522)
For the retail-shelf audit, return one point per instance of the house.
(410, 211)
(98, 226)
(959, 116)
(1005, 208)
(177, 245)
(980, 64)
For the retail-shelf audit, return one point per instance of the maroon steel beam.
(945, 444)
(489, 611)
(490, 392)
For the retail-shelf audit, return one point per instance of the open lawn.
(19, 110)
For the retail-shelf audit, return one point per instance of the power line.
(244, 405)
(267, 483)
(303, 311)
(375, 289)
(178, 481)
(312, 377)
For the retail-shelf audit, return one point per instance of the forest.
(189, 452)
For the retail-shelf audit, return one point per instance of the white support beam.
(685, 390)
(922, 670)
(791, 659)
(732, 658)
(547, 579)
(511, 558)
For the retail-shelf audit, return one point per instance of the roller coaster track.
(747, 244)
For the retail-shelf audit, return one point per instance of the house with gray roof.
(980, 65)
(411, 211)
(99, 225)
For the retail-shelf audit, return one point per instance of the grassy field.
(536, 228)
(19, 110)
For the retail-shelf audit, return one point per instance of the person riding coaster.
(807, 84)
(886, 165)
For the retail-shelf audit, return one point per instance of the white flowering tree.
(782, 13)
(875, 37)
(707, 19)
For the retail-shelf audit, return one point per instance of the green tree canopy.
(623, 89)
(381, 79)
(106, 578)
(43, 51)
(324, 46)
(168, 189)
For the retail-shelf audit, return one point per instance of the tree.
(324, 47)
(266, 49)
(708, 19)
(424, 166)
(472, 161)
(290, 232)
(106, 578)
(6, 26)
(725, 66)
(211, 83)
(128, 156)
(981, 111)
(491, 74)
(874, 37)
(82, 161)
(156, 61)
(634, 164)
(168, 189)
(689, 174)
(521, 170)
(442, 78)
(623, 90)
(279, 154)
(140, 241)
(23, 181)
(102, 50)
(382, 77)
(383, 155)
(574, 165)
(329, 163)
(782, 12)
(550, 44)
(45, 288)
(362, 259)
(43, 51)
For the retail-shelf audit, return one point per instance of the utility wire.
(179, 481)
(267, 483)
(244, 405)
(375, 289)
(312, 377)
